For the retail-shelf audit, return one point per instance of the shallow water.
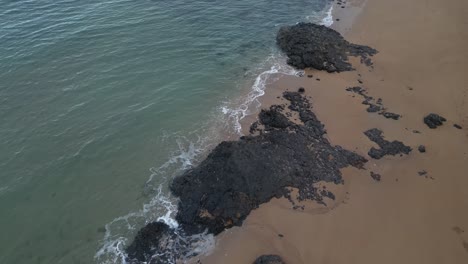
(102, 103)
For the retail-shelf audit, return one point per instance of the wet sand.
(421, 67)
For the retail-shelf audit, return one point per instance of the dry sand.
(422, 67)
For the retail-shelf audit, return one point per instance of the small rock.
(310, 76)
(280, 235)
(422, 173)
(422, 149)
(391, 115)
(434, 120)
(373, 108)
(301, 89)
(269, 259)
(375, 176)
(457, 126)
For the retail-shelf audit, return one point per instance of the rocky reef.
(309, 45)
(238, 176)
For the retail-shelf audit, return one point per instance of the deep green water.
(102, 102)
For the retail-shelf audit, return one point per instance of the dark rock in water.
(391, 115)
(301, 89)
(422, 149)
(457, 126)
(375, 176)
(238, 176)
(269, 259)
(373, 108)
(434, 120)
(386, 147)
(315, 46)
(156, 237)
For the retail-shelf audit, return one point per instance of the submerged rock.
(269, 259)
(434, 120)
(156, 237)
(386, 147)
(316, 46)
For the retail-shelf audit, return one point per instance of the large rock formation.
(314, 46)
(238, 176)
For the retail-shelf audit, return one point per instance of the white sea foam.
(235, 111)
(161, 207)
(328, 20)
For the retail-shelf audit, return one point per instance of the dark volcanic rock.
(375, 176)
(154, 238)
(373, 108)
(238, 176)
(386, 147)
(273, 118)
(269, 259)
(422, 149)
(319, 47)
(391, 115)
(434, 120)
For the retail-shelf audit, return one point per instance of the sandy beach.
(405, 217)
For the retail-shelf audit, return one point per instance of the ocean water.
(103, 102)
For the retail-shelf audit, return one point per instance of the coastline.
(405, 217)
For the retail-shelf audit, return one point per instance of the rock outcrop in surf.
(238, 176)
(316, 46)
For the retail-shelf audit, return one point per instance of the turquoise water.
(102, 102)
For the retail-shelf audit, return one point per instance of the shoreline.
(360, 222)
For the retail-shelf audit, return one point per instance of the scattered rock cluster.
(373, 106)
